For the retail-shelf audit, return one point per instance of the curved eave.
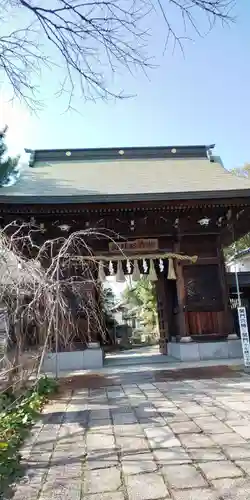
(227, 195)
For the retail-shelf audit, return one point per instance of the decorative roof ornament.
(210, 152)
(64, 227)
(219, 222)
(176, 223)
(31, 152)
(204, 221)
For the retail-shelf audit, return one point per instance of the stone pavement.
(179, 440)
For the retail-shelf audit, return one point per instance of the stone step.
(136, 360)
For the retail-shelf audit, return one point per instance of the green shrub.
(16, 417)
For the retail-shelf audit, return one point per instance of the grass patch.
(17, 415)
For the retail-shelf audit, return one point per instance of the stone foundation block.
(194, 351)
(89, 359)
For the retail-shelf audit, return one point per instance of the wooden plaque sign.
(140, 245)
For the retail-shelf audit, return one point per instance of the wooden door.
(204, 307)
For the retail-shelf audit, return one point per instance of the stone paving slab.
(146, 487)
(161, 437)
(106, 496)
(196, 441)
(232, 489)
(237, 452)
(242, 430)
(65, 492)
(206, 454)
(171, 456)
(138, 463)
(245, 465)
(98, 441)
(227, 439)
(183, 476)
(127, 444)
(195, 494)
(215, 470)
(186, 427)
(101, 459)
(102, 480)
(155, 440)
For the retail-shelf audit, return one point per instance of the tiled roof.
(122, 177)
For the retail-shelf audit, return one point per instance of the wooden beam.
(182, 205)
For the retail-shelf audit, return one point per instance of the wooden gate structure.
(180, 196)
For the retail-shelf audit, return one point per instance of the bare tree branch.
(92, 39)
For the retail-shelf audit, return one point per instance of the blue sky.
(200, 99)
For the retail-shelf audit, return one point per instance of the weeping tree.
(49, 297)
(92, 40)
(8, 165)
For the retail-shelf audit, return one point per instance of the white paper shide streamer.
(152, 276)
(171, 271)
(120, 277)
(101, 273)
(132, 263)
(136, 272)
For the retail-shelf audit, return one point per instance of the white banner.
(244, 335)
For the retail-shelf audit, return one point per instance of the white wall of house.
(240, 265)
(118, 316)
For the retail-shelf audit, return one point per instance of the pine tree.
(244, 242)
(8, 165)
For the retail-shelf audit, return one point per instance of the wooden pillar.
(228, 317)
(162, 313)
(182, 324)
